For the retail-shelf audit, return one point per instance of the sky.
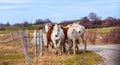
(17, 11)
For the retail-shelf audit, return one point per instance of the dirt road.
(110, 53)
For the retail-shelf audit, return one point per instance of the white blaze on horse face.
(56, 30)
(46, 28)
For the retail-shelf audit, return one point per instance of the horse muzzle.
(56, 35)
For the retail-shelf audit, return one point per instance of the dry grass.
(14, 55)
(112, 37)
(97, 35)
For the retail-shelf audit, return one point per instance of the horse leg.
(84, 41)
(74, 46)
(69, 45)
(59, 47)
(63, 45)
(55, 46)
(77, 48)
(47, 44)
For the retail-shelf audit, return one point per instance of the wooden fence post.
(24, 44)
(19, 37)
(28, 40)
(12, 36)
(35, 45)
(41, 41)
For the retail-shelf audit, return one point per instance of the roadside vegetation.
(14, 55)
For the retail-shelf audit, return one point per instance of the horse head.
(56, 30)
(77, 28)
(47, 27)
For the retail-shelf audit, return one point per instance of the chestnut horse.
(48, 36)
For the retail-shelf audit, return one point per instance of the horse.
(47, 27)
(74, 33)
(57, 38)
(65, 30)
(48, 36)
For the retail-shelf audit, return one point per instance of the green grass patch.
(88, 58)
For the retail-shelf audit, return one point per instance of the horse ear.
(50, 24)
(73, 24)
(78, 22)
(59, 26)
(55, 24)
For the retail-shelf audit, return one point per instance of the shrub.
(92, 36)
(113, 36)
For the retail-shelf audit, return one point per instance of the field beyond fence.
(12, 49)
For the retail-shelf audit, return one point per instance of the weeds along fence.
(37, 43)
(25, 37)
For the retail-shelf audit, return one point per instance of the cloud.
(13, 4)
(7, 7)
(15, 1)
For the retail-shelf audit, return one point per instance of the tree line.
(90, 21)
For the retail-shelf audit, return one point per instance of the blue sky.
(15, 11)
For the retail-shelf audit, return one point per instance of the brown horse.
(48, 36)
(65, 30)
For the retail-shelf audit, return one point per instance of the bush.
(91, 36)
(113, 36)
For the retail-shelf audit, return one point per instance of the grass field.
(11, 54)
(98, 30)
(14, 55)
(101, 31)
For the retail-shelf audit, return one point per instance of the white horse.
(57, 38)
(74, 33)
(47, 27)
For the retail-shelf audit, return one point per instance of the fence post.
(28, 40)
(41, 42)
(35, 45)
(12, 36)
(24, 44)
(18, 37)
